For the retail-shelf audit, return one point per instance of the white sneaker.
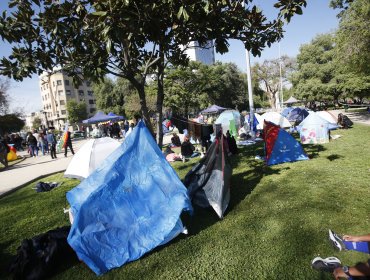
(326, 265)
(336, 240)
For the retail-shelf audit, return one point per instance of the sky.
(317, 18)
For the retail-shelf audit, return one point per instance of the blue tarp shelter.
(115, 117)
(130, 205)
(214, 109)
(98, 117)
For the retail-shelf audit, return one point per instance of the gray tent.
(208, 182)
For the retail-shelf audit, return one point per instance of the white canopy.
(276, 118)
(90, 156)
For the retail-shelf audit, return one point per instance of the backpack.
(41, 256)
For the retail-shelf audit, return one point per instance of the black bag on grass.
(41, 256)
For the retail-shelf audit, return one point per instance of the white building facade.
(205, 54)
(57, 90)
(31, 117)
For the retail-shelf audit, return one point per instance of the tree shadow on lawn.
(334, 157)
(5, 259)
(313, 150)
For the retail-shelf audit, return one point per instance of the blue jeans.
(363, 247)
(33, 150)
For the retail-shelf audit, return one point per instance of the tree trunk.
(140, 87)
(160, 98)
(272, 100)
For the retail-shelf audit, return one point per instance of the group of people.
(187, 149)
(44, 141)
(113, 130)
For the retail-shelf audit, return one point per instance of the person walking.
(41, 143)
(52, 142)
(32, 144)
(68, 144)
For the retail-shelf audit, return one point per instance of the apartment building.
(57, 89)
(204, 54)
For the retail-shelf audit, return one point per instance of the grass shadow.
(334, 157)
(313, 150)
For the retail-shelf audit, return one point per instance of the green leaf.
(180, 12)
(99, 13)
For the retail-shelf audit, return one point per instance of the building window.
(62, 102)
(53, 83)
(88, 83)
(60, 92)
(92, 110)
(68, 92)
(90, 92)
(59, 82)
(47, 85)
(81, 92)
(63, 112)
(66, 82)
(91, 101)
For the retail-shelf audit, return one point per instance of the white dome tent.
(277, 119)
(90, 156)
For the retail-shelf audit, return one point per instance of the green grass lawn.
(276, 223)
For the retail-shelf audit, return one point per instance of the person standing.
(32, 144)
(41, 143)
(52, 142)
(4, 150)
(68, 144)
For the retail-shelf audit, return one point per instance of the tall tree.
(11, 123)
(111, 95)
(353, 38)
(197, 86)
(36, 123)
(268, 75)
(130, 38)
(315, 78)
(77, 111)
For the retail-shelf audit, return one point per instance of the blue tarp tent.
(297, 115)
(98, 117)
(280, 146)
(286, 111)
(115, 117)
(128, 206)
(214, 109)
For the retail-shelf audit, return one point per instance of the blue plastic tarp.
(115, 117)
(214, 109)
(98, 117)
(128, 206)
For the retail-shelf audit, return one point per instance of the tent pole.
(250, 95)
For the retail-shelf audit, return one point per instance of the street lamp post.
(250, 95)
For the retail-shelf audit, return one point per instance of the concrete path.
(31, 168)
(356, 117)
